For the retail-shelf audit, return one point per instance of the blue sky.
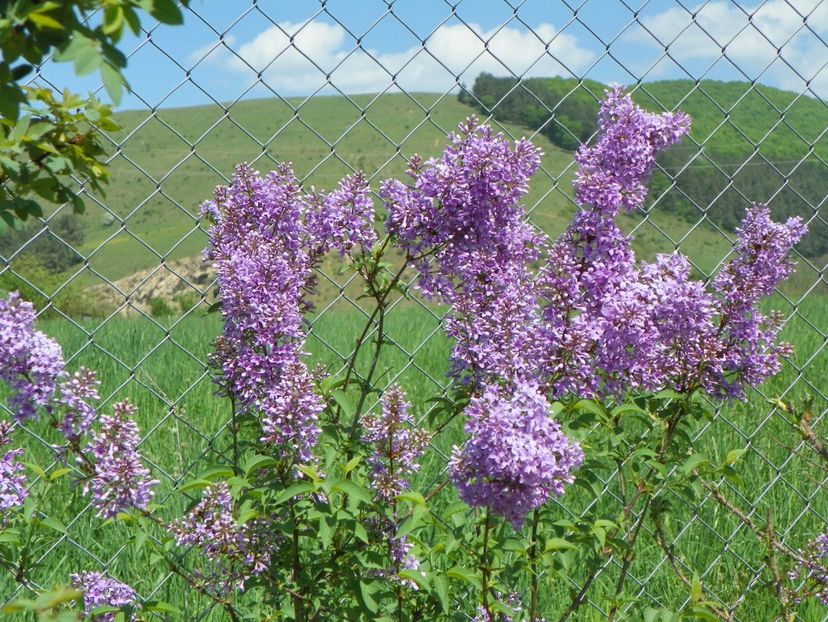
(227, 49)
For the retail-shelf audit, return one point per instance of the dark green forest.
(749, 143)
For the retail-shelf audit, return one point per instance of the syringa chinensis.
(572, 360)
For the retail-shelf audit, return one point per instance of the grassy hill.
(169, 162)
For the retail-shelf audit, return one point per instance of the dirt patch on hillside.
(172, 287)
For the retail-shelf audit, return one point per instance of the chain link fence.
(128, 297)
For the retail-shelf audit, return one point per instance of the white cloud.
(751, 37)
(298, 58)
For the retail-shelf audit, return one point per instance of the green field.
(160, 367)
(170, 161)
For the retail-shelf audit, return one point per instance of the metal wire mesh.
(136, 261)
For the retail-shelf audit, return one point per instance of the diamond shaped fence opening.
(130, 297)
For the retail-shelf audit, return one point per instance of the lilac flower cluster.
(516, 455)
(461, 221)
(462, 203)
(101, 591)
(593, 321)
(265, 240)
(30, 362)
(12, 478)
(119, 480)
(813, 567)
(397, 445)
(211, 527)
(749, 352)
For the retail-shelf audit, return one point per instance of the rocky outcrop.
(171, 287)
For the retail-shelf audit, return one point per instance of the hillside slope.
(171, 160)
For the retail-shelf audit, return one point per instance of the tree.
(47, 137)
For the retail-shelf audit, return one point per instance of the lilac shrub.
(572, 361)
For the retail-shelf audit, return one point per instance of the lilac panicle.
(32, 365)
(614, 172)
(397, 445)
(211, 527)
(343, 218)
(262, 251)
(750, 352)
(812, 567)
(267, 237)
(76, 393)
(462, 222)
(466, 201)
(119, 480)
(12, 478)
(101, 591)
(30, 362)
(516, 455)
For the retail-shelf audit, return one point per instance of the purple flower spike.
(12, 478)
(101, 591)
(397, 445)
(120, 480)
(516, 455)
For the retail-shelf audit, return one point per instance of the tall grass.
(160, 366)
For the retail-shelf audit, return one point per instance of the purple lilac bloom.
(12, 478)
(264, 248)
(211, 527)
(597, 333)
(30, 362)
(343, 218)
(748, 337)
(813, 568)
(101, 591)
(119, 480)
(397, 445)
(464, 202)
(462, 223)
(75, 395)
(32, 365)
(516, 455)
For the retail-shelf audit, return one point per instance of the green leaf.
(367, 597)
(113, 19)
(53, 523)
(257, 461)
(45, 21)
(696, 593)
(113, 82)
(87, 60)
(344, 402)
(160, 605)
(58, 473)
(693, 462)
(294, 490)
(165, 11)
(441, 587)
(10, 536)
(557, 544)
(413, 521)
(733, 455)
(352, 489)
(465, 574)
